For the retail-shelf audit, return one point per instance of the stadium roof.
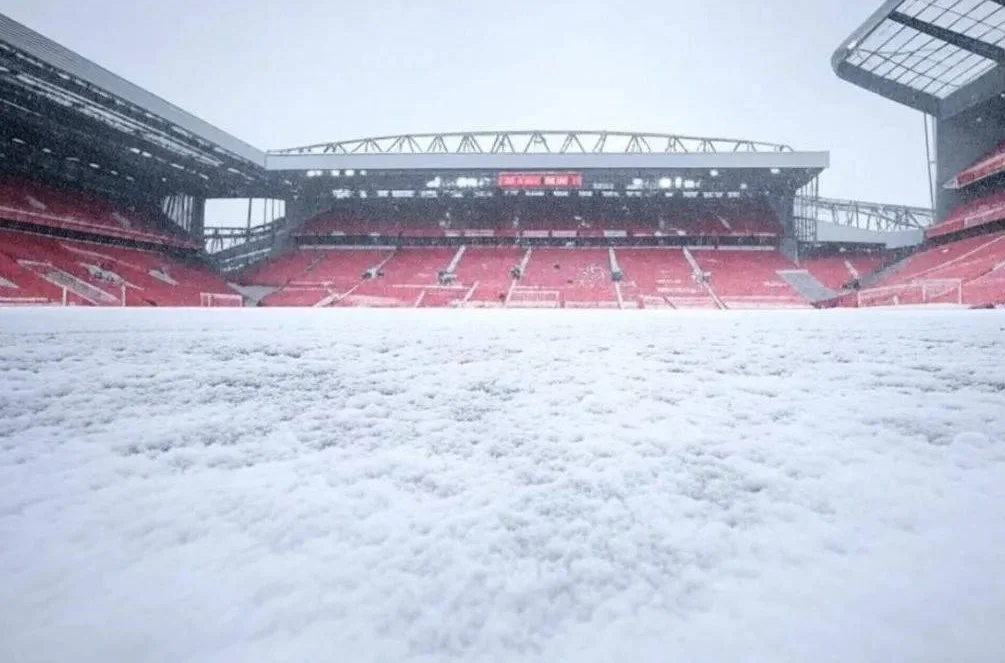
(64, 115)
(937, 56)
(536, 142)
(31, 43)
(57, 100)
(539, 149)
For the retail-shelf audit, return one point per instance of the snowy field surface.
(306, 486)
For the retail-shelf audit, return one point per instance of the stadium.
(556, 219)
(568, 394)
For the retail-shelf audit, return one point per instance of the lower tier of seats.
(968, 272)
(45, 270)
(511, 277)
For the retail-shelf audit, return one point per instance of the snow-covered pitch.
(271, 485)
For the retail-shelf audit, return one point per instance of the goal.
(936, 291)
(216, 300)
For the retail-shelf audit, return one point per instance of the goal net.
(940, 291)
(216, 300)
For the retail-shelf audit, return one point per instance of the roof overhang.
(940, 57)
(45, 50)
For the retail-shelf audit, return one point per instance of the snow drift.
(248, 485)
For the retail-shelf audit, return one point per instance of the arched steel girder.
(866, 216)
(536, 142)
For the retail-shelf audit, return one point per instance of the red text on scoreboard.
(540, 180)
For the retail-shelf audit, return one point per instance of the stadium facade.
(509, 218)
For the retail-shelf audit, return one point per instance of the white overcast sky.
(285, 73)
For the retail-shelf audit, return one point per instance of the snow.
(276, 485)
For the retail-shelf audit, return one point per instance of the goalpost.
(216, 300)
(934, 291)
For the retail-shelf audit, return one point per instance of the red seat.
(308, 276)
(660, 278)
(40, 205)
(403, 278)
(985, 167)
(294, 296)
(970, 215)
(837, 271)
(579, 278)
(970, 271)
(489, 272)
(749, 279)
(954, 260)
(96, 274)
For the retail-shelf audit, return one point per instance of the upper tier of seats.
(971, 215)
(728, 219)
(31, 203)
(37, 269)
(987, 166)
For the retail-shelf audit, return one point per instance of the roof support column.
(197, 229)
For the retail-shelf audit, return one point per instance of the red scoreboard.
(540, 180)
